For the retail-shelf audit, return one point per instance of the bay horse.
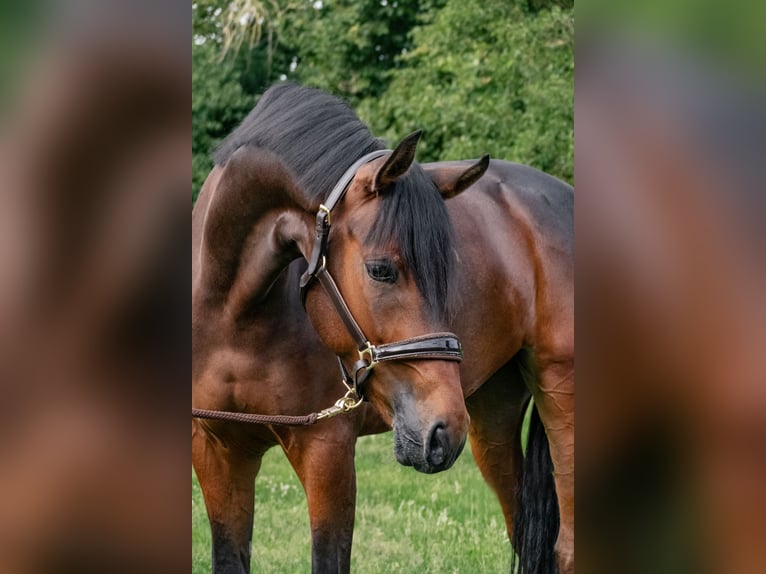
(493, 265)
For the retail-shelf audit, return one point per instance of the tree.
(351, 48)
(487, 76)
(218, 104)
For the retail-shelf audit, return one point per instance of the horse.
(279, 300)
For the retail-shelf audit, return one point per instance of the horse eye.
(382, 271)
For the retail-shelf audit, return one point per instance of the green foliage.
(487, 76)
(218, 104)
(351, 47)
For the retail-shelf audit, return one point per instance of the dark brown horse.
(493, 265)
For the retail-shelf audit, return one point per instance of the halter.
(439, 346)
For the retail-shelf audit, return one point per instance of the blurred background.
(671, 283)
(94, 336)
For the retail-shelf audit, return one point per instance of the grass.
(405, 521)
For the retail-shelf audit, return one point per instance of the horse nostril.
(438, 445)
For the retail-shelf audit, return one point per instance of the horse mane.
(317, 136)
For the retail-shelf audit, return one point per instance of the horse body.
(515, 252)
(515, 317)
(255, 349)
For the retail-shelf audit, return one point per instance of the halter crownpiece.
(437, 346)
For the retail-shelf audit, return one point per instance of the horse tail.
(536, 520)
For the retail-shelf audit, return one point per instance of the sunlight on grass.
(405, 521)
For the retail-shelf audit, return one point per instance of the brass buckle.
(369, 351)
(323, 208)
(346, 403)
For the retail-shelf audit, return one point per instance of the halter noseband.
(439, 346)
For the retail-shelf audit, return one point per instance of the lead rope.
(348, 402)
(281, 420)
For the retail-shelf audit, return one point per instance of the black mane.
(318, 137)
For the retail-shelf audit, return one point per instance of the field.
(405, 521)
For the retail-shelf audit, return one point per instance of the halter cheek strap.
(322, 231)
(437, 346)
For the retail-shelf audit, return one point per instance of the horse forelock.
(413, 217)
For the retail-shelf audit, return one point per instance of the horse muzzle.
(428, 452)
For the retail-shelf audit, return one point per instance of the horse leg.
(323, 459)
(496, 410)
(226, 476)
(554, 399)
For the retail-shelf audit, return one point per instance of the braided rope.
(282, 420)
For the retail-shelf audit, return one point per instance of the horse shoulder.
(544, 206)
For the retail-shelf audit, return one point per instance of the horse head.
(390, 253)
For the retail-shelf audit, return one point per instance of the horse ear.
(398, 162)
(452, 181)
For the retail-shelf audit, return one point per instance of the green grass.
(405, 521)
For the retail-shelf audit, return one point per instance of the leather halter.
(438, 346)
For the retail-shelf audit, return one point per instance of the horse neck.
(280, 305)
(253, 222)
